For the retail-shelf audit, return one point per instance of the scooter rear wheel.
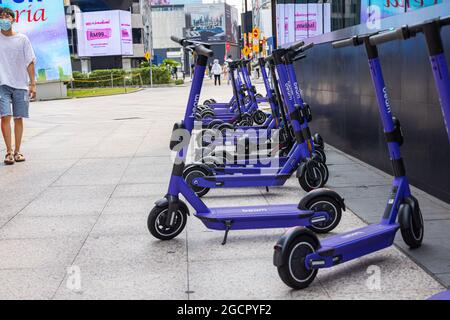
(321, 156)
(259, 117)
(157, 228)
(411, 226)
(312, 179)
(332, 207)
(195, 172)
(293, 271)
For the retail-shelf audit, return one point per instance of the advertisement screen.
(380, 9)
(104, 33)
(207, 23)
(173, 2)
(44, 23)
(297, 21)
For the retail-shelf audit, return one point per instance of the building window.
(137, 36)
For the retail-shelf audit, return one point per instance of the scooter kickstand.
(228, 224)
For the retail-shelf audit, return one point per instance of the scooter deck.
(260, 217)
(353, 244)
(242, 181)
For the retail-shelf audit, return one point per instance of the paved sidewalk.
(95, 166)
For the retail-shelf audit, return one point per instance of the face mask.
(5, 24)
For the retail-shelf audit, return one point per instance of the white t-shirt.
(16, 54)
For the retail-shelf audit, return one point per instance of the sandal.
(18, 157)
(9, 159)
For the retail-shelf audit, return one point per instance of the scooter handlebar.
(296, 46)
(386, 36)
(177, 40)
(445, 21)
(344, 43)
(203, 51)
(198, 47)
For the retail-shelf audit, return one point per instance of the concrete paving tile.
(252, 278)
(356, 276)
(38, 253)
(431, 255)
(128, 282)
(94, 172)
(70, 200)
(123, 224)
(422, 294)
(444, 278)
(140, 190)
(241, 244)
(26, 227)
(148, 170)
(131, 205)
(141, 250)
(30, 284)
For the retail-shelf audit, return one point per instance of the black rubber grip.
(343, 43)
(307, 47)
(386, 37)
(445, 21)
(297, 45)
(203, 51)
(177, 40)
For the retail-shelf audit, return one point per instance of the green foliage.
(171, 63)
(179, 82)
(120, 77)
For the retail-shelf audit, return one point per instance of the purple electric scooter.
(319, 210)
(431, 30)
(299, 254)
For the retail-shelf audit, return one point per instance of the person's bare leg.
(6, 131)
(18, 133)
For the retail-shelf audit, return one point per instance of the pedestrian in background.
(17, 83)
(217, 72)
(210, 65)
(228, 73)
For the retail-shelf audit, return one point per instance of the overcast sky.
(237, 3)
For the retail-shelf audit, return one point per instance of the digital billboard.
(44, 23)
(206, 22)
(104, 33)
(297, 21)
(380, 9)
(173, 2)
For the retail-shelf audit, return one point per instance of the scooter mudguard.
(409, 210)
(281, 248)
(323, 192)
(201, 165)
(164, 203)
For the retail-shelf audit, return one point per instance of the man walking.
(216, 71)
(17, 83)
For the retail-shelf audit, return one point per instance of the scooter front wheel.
(330, 206)
(293, 272)
(312, 179)
(195, 172)
(156, 221)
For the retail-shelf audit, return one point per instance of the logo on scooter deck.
(258, 210)
(352, 235)
(297, 91)
(289, 90)
(386, 100)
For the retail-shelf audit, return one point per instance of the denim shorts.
(14, 102)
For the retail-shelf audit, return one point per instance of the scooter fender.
(407, 211)
(302, 169)
(307, 166)
(281, 248)
(201, 165)
(324, 192)
(164, 203)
